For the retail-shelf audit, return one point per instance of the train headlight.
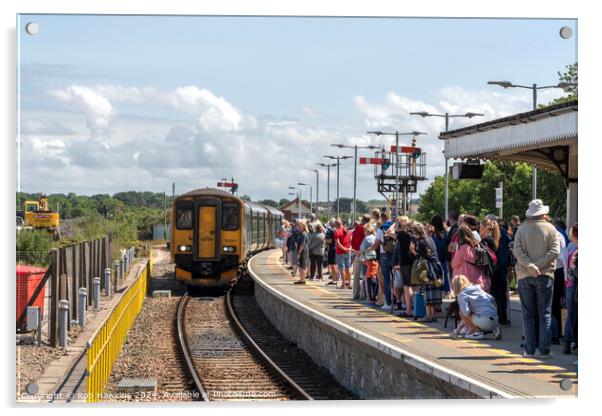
(184, 248)
(229, 249)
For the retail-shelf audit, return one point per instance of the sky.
(118, 103)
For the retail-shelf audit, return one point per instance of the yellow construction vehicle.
(37, 215)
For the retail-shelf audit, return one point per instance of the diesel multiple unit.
(214, 233)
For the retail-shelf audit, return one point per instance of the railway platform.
(379, 355)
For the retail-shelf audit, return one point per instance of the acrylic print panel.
(174, 173)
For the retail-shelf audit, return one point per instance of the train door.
(207, 235)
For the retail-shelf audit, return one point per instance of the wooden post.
(73, 276)
(53, 327)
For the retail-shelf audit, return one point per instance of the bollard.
(95, 292)
(83, 302)
(63, 322)
(122, 268)
(115, 275)
(108, 281)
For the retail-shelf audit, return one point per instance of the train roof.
(256, 207)
(210, 192)
(273, 211)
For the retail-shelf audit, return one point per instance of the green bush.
(33, 247)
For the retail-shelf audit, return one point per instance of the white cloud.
(97, 107)
(214, 139)
(213, 112)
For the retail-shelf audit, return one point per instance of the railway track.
(223, 360)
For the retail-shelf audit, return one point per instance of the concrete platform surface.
(485, 365)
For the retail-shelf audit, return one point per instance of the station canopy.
(542, 137)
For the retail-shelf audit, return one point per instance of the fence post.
(63, 322)
(96, 292)
(54, 296)
(108, 282)
(74, 282)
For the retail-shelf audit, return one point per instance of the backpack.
(485, 259)
(388, 241)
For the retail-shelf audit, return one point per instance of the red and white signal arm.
(373, 161)
(227, 184)
(406, 149)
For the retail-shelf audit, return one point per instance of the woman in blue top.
(477, 310)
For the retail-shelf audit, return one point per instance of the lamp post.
(447, 116)
(298, 199)
(396, 134)
(327, 165)
(533, 88)
(338, 159)
(311, 204)
(317, 191)
(354, 147)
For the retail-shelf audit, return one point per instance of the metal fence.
(34, 258)
(104, 346)
(69, 269)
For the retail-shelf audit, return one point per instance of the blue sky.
(141, 101)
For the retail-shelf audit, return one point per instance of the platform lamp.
(311, 205)
(327, 166)
(317, 172)
(447, 116)
(338, 159)
(534, 88)
(298, 198)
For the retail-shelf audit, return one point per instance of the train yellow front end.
(207, 244)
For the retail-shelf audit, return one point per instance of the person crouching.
(478, 311)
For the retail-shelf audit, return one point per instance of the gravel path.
(32, 361)
(150, 351)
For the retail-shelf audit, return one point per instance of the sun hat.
(537, 208)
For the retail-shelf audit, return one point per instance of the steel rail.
(267, 360)
(186, 350)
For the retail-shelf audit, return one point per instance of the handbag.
(419, 272)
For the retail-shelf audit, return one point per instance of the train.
(214, 233)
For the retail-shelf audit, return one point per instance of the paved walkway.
(498, 364)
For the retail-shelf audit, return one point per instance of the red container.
(28, 279)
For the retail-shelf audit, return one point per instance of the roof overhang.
(531, 137)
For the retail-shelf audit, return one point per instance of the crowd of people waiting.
(408, 267)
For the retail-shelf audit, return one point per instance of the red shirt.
(344, 237)
(357, 236)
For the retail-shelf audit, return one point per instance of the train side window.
(184, 215)
(230, 216)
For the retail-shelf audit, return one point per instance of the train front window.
(230, 216)
(184, 215)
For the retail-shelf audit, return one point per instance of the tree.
(246, 197)
(269, 202)
(477, 197)
(283, 201)
(570, 75)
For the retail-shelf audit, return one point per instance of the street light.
(534, 88)
(338, 159)
(355, 147)
(298, 199)
(317, 191)
(447, 116)
(327, 165)
(396, 134)
(311, 205)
